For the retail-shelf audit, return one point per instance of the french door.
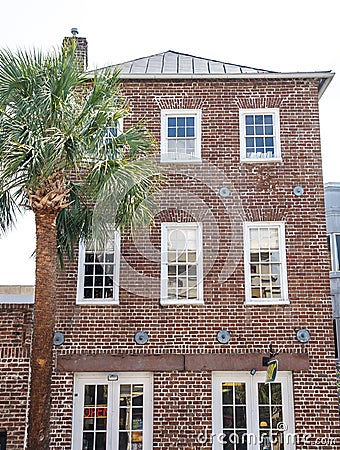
(112, 415)
(250, 414)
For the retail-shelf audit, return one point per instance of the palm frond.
(53, 120)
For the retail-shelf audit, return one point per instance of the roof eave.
(324, 77)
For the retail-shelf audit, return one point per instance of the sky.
(283, 36)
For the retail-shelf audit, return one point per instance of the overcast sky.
(283, 36)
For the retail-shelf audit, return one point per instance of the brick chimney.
(81, 47)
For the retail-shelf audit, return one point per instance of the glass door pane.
(94, 417)
(270, 416)
(234, 416)
(131, 425)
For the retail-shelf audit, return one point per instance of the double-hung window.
(250, 414)
(181, 271)
(181, 135)
(112, 414)
(98, 271)
(334, 248)
(265, 263)
(260, 135)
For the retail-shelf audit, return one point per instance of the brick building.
(166, 330)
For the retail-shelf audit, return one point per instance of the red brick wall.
(15, 327)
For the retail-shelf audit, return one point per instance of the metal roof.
(174, 63)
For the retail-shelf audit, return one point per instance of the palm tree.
(56, 161)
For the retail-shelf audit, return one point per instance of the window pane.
(181, 132)
(190, 122)
(250, 130)
(268, 119)
(227, 393)
(249, 119)
(190, 132)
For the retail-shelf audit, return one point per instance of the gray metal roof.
(174, 63)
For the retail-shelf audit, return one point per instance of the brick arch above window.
(265, 215)
(179, 102)
(253, 102)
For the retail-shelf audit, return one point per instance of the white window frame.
(335, 252)
(252, 381)
(180, 157)
(165, 226)
(275, 112)
(81, 379)
(80, 300)
(247, 226)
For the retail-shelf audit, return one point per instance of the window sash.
(265, 262)
(181, 272)
(98, 272)
(260, 134)
(180, 135)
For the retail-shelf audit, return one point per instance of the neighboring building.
(332, 203)
(166, 330)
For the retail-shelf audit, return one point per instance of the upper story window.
(265, 263)
(182, 272)
(334, 248)
(111, 133)
(260, 134)
(181, 135)
(98, 272)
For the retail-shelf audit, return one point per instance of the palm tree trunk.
(43, 331)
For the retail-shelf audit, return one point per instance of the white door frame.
(81, 379)
(285, 378)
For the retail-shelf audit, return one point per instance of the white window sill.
(268, 302)
(96, 302)
(164, 159)
(261, 160)
(166, 302)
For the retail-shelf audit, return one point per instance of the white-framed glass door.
(112, 415)
(250, 414)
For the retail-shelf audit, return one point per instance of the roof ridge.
(162, 54)
(211, 60)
